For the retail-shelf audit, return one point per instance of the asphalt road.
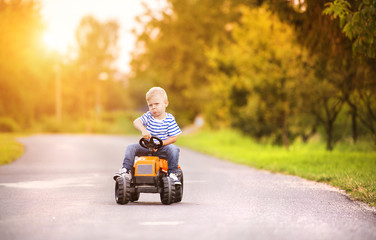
(62, 188)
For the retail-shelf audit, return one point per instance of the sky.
(63, 16)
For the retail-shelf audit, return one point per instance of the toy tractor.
(149, 175)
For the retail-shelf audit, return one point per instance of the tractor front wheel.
(168, 191)
(122, 190)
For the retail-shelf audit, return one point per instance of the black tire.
(168, 191)
(122, 190)
(135, 196)
(179, 188)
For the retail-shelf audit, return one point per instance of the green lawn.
(349, 167)
(10, 149)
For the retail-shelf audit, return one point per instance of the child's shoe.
(122, 171)
(174, 178)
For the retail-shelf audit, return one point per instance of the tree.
(97, 50)
(204, 54)
(24, 65)
(363, 98)
(358, 22)
(174, 45)
(330, 48)
(256, 77)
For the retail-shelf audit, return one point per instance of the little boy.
(156, 122)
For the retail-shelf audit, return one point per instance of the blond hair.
(156, 91)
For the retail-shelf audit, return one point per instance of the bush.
(8, 125)
(10, 149)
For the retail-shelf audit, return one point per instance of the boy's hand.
(146, 135)
(139, 126)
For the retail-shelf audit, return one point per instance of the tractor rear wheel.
(122, 190)
(168, 191)
(179, 188)
(135, 196)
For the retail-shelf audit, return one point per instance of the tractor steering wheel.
(150, 144)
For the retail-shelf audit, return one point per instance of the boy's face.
(157, 106)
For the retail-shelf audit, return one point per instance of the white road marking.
(159, 223)
(54, 183)
(194, 181)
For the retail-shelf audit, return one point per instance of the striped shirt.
(161, 128)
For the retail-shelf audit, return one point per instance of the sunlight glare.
(56, 40)
(63, 18)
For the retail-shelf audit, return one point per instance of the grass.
(351, 167)
(10, 149)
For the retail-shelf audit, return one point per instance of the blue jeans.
(169, 152)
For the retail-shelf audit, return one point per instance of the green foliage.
(10, 149)
(173, 52)
(349, 167)
(337, 8)
(339, 76)
(258, 74)
(358, 22)
(274, 77)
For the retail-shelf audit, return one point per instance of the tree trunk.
(354, 126)
(285, 138)
(329, 141)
